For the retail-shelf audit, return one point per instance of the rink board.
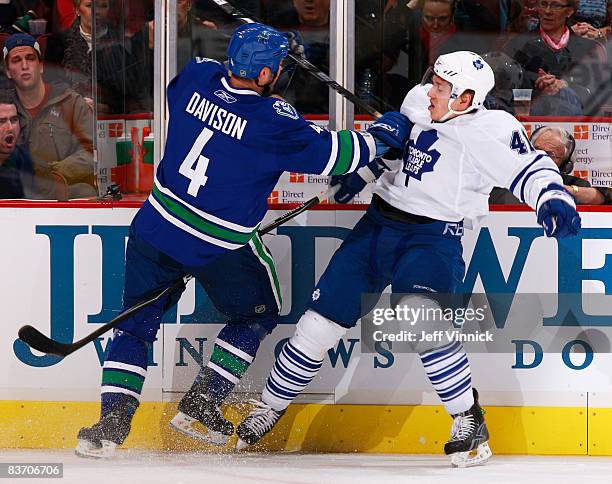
(63, 273)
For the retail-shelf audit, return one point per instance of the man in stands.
(58, 125)
(15, 163)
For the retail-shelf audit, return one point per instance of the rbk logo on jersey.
(454, 228)
(419, 158)
(199, 60)
(283, 108)
(228, 98)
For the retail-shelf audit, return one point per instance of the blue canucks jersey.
(225, 151)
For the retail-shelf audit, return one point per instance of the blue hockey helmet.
(255, 46)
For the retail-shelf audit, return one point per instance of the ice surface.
(135, 467)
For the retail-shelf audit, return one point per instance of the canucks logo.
(283, 108)
(419, 158)
(478, 64)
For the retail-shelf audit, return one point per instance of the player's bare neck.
(240, 83)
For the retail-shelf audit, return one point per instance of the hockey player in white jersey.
(410, 238)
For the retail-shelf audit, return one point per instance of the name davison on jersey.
(216, 117)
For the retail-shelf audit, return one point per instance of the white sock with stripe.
(300, 359)
(449, 372)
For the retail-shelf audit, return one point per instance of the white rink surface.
(136, 467)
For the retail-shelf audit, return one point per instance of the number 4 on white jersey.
(197, 175)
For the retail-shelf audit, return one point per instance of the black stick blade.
(30, 335)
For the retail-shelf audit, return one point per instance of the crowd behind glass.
(66, 61)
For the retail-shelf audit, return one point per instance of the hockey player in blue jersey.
(410, 238)
(228, 143)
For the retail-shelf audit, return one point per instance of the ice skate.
(258, 423)
(199, 417)
(101, 439)
(468, 445)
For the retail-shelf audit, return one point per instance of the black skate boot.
(258, 423)
(101, 439)
(198, 406)
(468, 445)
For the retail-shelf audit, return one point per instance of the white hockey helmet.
(464, 70)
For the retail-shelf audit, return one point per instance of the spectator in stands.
(58, 125)
(311, 19)
(592, 19)
(202, 34)
(16, 172)
(558, 65)
(560, 145)
(73, 50)
(527, 19)
(430, 31)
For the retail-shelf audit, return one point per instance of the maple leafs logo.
(419, 158)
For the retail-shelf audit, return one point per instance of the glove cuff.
(555, 191)
(371, 142)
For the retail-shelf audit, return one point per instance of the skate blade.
(89, 450)
(472, 458)
(241, 444)
(186, 425)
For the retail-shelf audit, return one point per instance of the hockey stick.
(30, 335)
(232, 11)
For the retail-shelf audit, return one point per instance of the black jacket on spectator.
(579, 63)
(70, 51)
(16, 175)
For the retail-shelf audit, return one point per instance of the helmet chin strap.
(451, 111)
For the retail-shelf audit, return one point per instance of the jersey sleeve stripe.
(517, 179)
(185, 227)
(356, 152)
(345, 153)
(529, 175)
(333, 154)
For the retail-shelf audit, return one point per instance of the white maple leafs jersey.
(449, 168)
